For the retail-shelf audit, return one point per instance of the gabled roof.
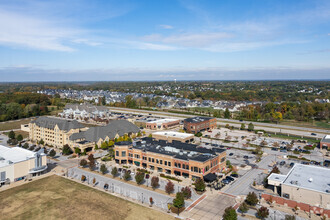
(51, 122)
(93, 134)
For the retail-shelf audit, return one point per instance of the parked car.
(246, 157)
(274, 149)
(291, 164)
(225, 181)
(231, 154)
(234, 175)
(229, 178)
(282, 162)
(313, 134)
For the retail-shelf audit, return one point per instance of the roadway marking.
(239, 184)
(199, 200)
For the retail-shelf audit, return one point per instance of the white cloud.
(26, 31)
(86, 41)
(189, 40)
(166, 26)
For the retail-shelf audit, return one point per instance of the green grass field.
(55, 197)
(9, 125)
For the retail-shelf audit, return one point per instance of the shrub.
(290, 217)
(263, 212)
(77, 150)
(169, 188)
(200, 185)
(243, 208)
(127, 176)
(66, 150)
(229, 214)
(31, 147)
(186, 192)
(19, 137)
(103, 169)
(251, 199)
(139, 177)
(11, 135)
(52, 153)
(83, 162)
(178, 202)
(154, 182)
(41, 142)
(199, 134)
(83, 178)
(250, 127)
(26, 146)
(114, 172)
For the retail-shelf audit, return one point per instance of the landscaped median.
(134, 183)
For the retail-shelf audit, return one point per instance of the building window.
(117, 153)
(149, 159)
(123, 153)
(165, 162)
(183, 166)
(161, 161)
(153, 160)
(169, 164)
(157, 161)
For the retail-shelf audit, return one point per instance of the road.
(242, 185)
(293, 130)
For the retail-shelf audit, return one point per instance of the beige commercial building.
(305, 184)
(18, 163)
(173, 136)
(53, 131)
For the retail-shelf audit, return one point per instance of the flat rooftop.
(276, 177)
(176, 149)
(197, 119)
(9, 155)
(173, 134)
(309, 177)
(164, 120)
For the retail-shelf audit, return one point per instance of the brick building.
(325, 142)
(175, 158)
(197, 124)
(162, 124)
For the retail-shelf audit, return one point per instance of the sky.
(83, 40)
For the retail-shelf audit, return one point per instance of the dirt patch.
(55, 197)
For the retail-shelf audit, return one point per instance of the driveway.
(211, 207)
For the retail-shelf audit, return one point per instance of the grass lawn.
(23, 133)
(57, 198)
(9, 125)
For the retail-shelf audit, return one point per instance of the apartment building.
(53, 131)
(305, 184)
(18, 163)
(171, 136)
(174, 158)
(96, 135)
(198, 124)
(163, 124)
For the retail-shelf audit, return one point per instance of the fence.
(294, 204)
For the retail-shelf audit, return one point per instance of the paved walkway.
(211, 206)
(124, 189)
